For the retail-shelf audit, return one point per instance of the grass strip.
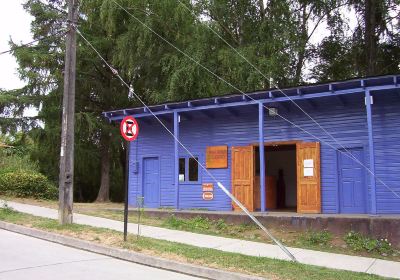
(313, 240)
(269, 268)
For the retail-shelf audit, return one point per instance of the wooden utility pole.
(66, 177)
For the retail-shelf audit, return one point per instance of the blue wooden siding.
(154, 141)
(347, 124)
(386, 123)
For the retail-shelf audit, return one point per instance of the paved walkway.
(330, 260)
(22, 255)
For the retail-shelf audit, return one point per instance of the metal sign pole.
(126, 190)
(129, 129)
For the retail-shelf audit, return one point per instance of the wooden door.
(308, 177)
(243, 172)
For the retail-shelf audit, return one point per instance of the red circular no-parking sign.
(129, 128)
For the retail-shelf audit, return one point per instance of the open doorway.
(280, 176)
(293, 180)
(280, 171)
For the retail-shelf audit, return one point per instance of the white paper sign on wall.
(308, 171)
(308, 163)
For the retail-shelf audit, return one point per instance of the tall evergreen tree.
(273, 35)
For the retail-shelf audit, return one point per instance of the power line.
(291, 100)
(219, 184)
(115, 72)
(347, 153)
(32, 42)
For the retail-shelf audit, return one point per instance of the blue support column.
(262, 158)
(371, 151)
(176, 158)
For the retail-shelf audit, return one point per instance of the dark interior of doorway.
(281, 177)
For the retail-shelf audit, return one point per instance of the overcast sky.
(15, 23)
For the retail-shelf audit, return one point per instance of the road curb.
(157, 262)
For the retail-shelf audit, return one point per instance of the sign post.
(129, 130)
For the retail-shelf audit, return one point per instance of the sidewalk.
(330, 260)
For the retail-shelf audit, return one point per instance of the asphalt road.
(24, 257)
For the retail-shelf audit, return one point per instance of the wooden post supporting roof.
(368, 103)
(261, 152)
(176, 158)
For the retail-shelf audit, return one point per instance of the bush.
(27, 184)
(321, 238)
(11, 162)
(358, 242)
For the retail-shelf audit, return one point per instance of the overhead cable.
(346, 152)
(219, 184)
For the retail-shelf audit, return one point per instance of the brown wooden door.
(308, 177)
(243, 176)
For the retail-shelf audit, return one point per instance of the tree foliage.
(275, 36)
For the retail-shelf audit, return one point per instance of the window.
(182, 170)
(188, 169)
(193, 169)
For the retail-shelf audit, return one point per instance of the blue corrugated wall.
(386, 122)
(347, 123)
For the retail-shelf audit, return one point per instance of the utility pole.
(66, 177)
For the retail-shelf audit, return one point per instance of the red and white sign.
(129, 128)
(208, 196)
(208, 187)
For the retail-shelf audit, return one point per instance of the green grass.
(314, 240)
(255, 265)
(265, 267)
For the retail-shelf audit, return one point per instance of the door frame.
(159, 178)
(279, 143)
(364, 177)
(290, 143)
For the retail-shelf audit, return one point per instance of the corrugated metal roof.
(265, 96)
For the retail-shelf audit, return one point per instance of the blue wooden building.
(267, 162)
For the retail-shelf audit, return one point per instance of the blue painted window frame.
(187, 182)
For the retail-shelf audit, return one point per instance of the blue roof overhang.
(273, 96)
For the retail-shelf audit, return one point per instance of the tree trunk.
(299, 65)
(104, 192)
(371, 39)
(262, 9)
(303, 45)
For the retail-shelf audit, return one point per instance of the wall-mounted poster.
(217, 156)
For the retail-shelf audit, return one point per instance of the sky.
(15, 24)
